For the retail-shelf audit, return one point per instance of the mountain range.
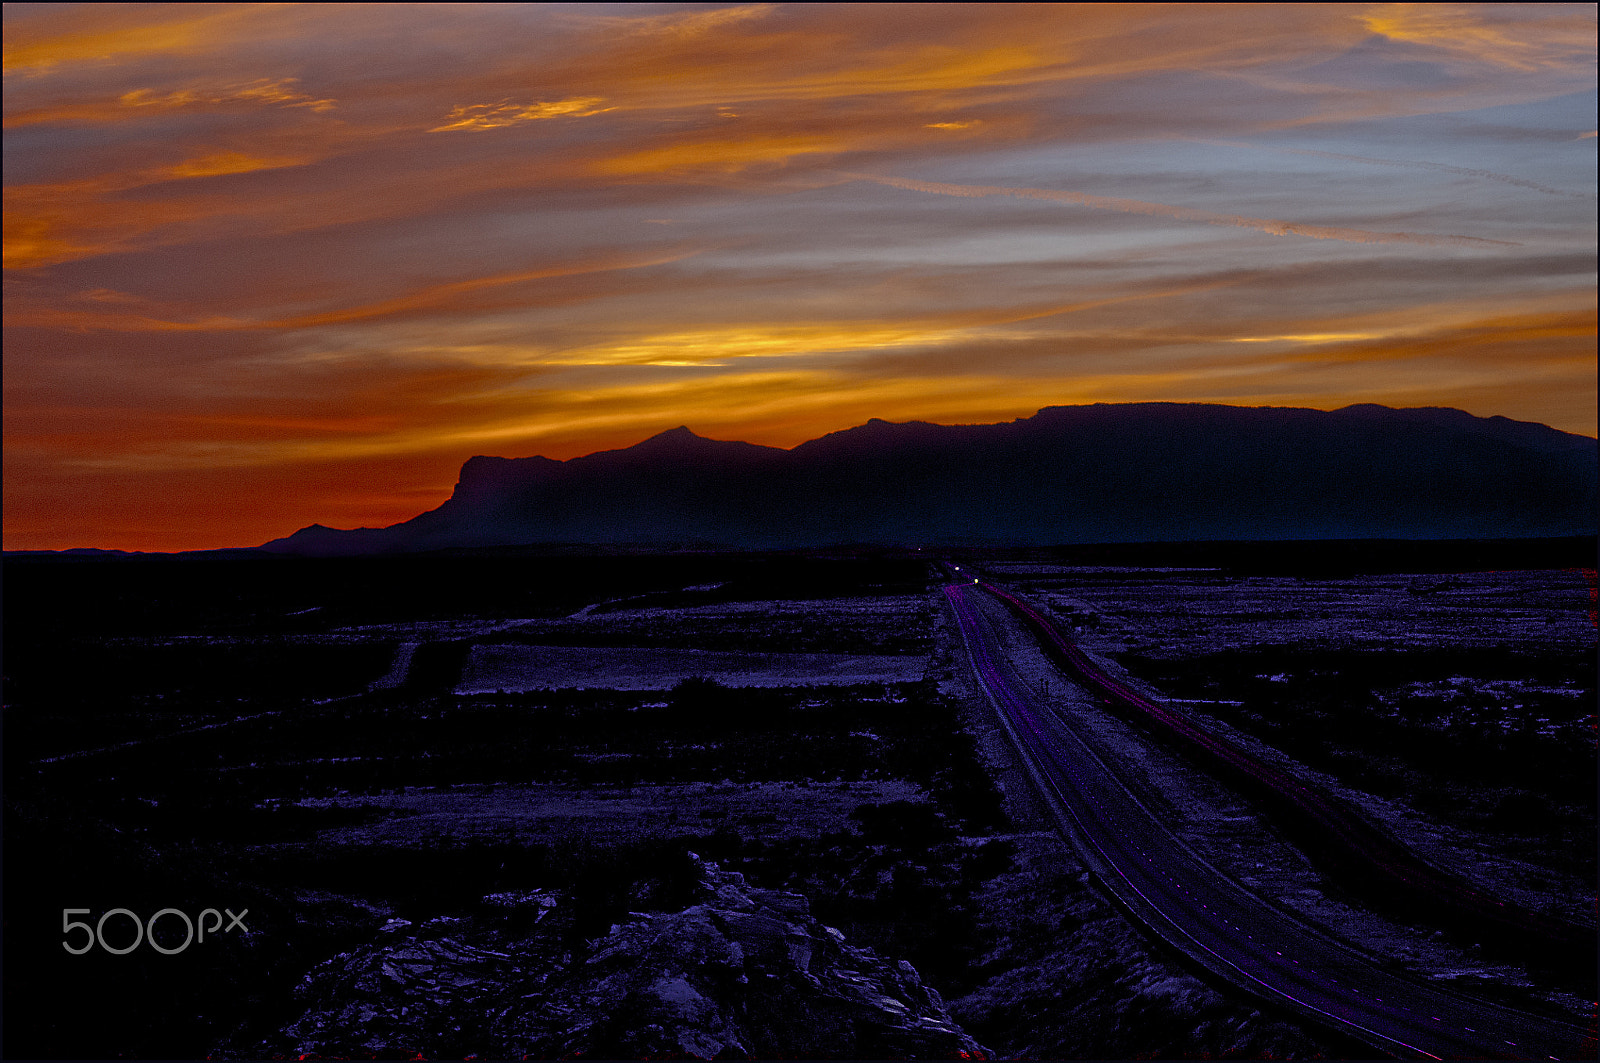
(1105, 473)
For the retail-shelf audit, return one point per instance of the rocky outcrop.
(742, 972)
(403, 993)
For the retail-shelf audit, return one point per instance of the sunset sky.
(275, 264)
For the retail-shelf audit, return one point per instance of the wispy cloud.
(1522, 37)
(148, 102)
(1309, 337)
(1205, 217)
(1414, 164)
(106, 310)
(105, 34)
(222, 163)
(278, 91)
(498, 115)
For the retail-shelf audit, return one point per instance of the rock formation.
(741, 973)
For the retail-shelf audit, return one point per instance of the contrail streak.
(1467, 171)
(1206, 217)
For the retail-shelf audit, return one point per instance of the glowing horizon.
(275, 265)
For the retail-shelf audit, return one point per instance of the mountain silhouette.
(1142, 472)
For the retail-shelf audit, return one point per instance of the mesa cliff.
(1147, 472)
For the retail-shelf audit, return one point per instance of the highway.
(1356, 852)
(1229, 932)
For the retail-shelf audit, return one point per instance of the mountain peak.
(1103, 473)
(679, 435)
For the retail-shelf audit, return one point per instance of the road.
(1356, 853)
(1219, 925)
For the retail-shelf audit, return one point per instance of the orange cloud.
(725, 155)
(762, 52)
(1310, 337)
(49, 224)
(682, 25)
(116, 311)
(1562, 336)
(228, 162)
(853, 337)
(104, 33)
(262, 90)
(720, 346)
(248, 418)
(1524, 37)
(798, 53)
(46, 224)
(448, 296)
(147, 103)
(498, 115)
